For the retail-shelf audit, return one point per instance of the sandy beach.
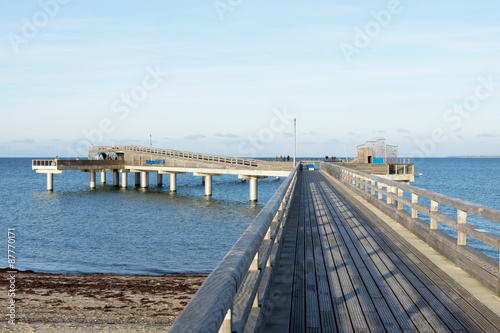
(96, 302)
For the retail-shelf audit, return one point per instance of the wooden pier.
(334, 250)
(321, 258)
(342, 269)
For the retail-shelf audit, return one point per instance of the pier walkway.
(342, 269)
(337, 250)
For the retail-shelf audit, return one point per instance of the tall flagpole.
(294, 140)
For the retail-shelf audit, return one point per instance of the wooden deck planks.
(347, 272)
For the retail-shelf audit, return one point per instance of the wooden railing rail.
(233, 297)
(389, 196)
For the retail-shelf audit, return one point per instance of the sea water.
(124, 231)
(152, 231)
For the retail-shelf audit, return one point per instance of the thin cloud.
(402, 130)
(488, 135)
(195, 137)
(226, 135)
(23, 141)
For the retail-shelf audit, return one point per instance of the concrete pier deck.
(343, 269)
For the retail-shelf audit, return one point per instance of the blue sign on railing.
(151, 162)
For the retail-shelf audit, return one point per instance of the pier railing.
(233, 297)
(180, 154)
(44, 163)
(393, 197)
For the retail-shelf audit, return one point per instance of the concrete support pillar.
(159, 179)
(144, 179)
(103, 177)
(173, 182)
(116, 178)
(208, 185)
(137, 179)
(253, 189)
(92, 180)
(124, 178)
(50, 182)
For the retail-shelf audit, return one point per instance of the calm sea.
(135, 231)
(123, 231)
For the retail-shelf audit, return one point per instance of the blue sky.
(228, 76)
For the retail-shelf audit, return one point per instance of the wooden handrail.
(230, 294)
(374, 189)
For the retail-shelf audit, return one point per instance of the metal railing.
(389, 196)
(44, 163)
(240, 285)
(152, 160)
(181, 154)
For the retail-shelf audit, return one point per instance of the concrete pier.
(253, 189)
(144, 160)
(144, 179)
(50, 182)
(253, 186)
(124, 178)
(208, 185)
(173, 182)
(92, 180)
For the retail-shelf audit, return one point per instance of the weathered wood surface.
(342, 269)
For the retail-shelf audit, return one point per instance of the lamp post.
(294, 140)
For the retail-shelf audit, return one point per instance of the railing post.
(414, 212)
(379, 190)
(388, 198)
(400, 194)
(276, 219)
(373, 187)
(434, 208)
(227, 324)
(461, 219)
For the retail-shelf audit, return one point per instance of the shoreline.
(48, 302)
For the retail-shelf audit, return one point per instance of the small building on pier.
(380, 159)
